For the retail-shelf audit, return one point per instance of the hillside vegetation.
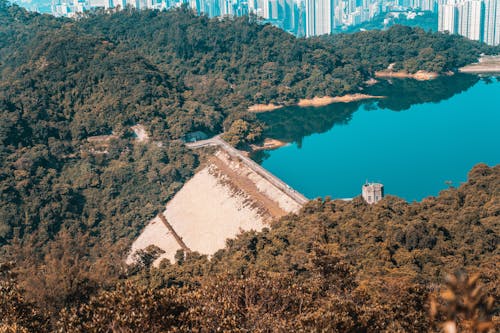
(336, 267)
(70, 206)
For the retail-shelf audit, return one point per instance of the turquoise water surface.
(422, 138)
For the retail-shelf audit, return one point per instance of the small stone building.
(195, 136)
(372, 192)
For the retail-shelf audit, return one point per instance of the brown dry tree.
(463, 306)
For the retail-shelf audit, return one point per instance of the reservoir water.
(422, 138)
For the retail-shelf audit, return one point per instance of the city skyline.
(300, 17)
(475, 19)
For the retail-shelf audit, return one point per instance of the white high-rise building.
(470, 19)
(319, 17)
(492, 22)
(474, 19)
(252, 6)
(195, 5)
(428, 5)
(310, 18)
(101, 4)
(264, 9)
(447, 18)
(273, 9)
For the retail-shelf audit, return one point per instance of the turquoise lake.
(422, 138)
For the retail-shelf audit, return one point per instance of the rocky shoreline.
(326, 100)
(419, 75)
(264, 107)
(315, 101)
(486, 64)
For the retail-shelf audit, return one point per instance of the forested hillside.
(335, 267)
(70, 206)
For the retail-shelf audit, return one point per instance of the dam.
(218, 141)
(229, 194)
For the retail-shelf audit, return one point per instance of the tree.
(241, 132)
(128, 308)
(16, 314)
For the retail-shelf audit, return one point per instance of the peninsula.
(315, 101)
(485, 65)
(326, 100)
(418, 75)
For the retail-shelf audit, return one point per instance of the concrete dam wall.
(227, 196)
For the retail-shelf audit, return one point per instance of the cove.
(424, 137)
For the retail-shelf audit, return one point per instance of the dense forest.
(70, 203)
(335, 267)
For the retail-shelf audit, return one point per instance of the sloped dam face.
(225, 197)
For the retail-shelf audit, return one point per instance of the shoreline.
(257, 108)
(327, 100)
(315, 102)
(419, 75)
(485, 65)
(268, 144)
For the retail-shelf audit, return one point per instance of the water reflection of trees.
(403, 93)
(292, 124)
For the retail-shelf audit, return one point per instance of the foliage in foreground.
(337, 266)
(70, 206)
